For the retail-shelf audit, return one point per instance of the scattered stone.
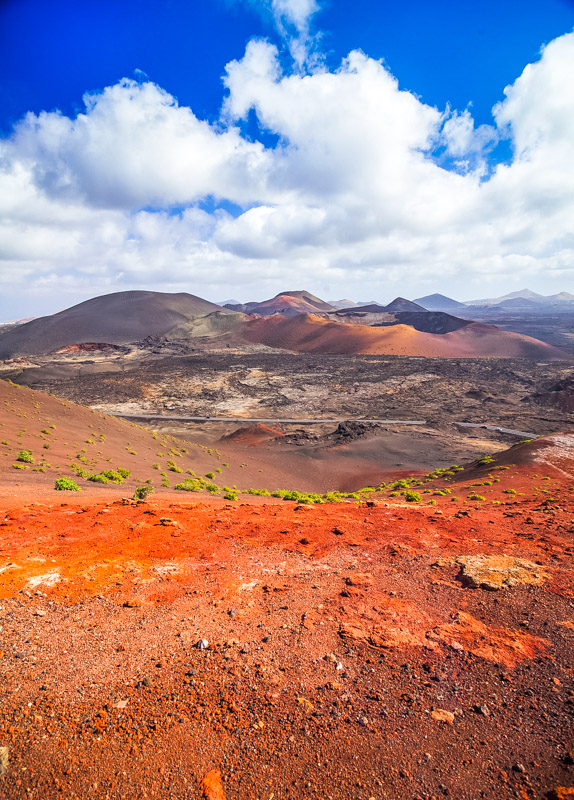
(561, 793)
(4, 759)
(331, 657)
(440, 715)
(203, 644)
(168, 523)
(482, 709)
(39, 612)
(362, 579)
(307, 705)
(498, 572)
(338, 532)
(121, 704)
(211, 786)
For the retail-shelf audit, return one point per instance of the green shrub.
(474, 496)
(142, 492)
(172, 466)
(509, 491)
(210, 475)
(98, 478)
(189, 485)
(125, 473)
(412, 497)
(230, 496)
(25, 456)
(20, 466)
(66, 485)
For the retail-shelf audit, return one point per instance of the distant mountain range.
(525, 296)
(298, 302)
(293, 320)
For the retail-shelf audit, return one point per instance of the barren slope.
(117, 318)
(309, 333)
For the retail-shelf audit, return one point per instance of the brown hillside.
(118, 318)
(309, 333)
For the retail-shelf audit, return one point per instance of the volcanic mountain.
(401, 304)
(289, 304)
(439, 302)
(117, 318)
(312, 334)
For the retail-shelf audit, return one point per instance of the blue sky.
(259, 219)
(444, 51)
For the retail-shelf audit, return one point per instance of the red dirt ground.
(345, 655)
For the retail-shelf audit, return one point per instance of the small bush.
(143, 492)
(412, 497)
(98, 478)
(210, 475)
(230, 496)
(66, 485)
(509, 491)
(188, 485)
(25, 456)
(112, 475)
(474, 496)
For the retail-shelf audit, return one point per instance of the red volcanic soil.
(311, 334)
(178, 649)
(252, 435)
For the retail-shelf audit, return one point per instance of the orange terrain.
(308, 333)
(375, 648)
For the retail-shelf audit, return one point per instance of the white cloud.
(351, 196)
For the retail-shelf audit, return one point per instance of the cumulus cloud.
(358, 189)
(134, 146)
